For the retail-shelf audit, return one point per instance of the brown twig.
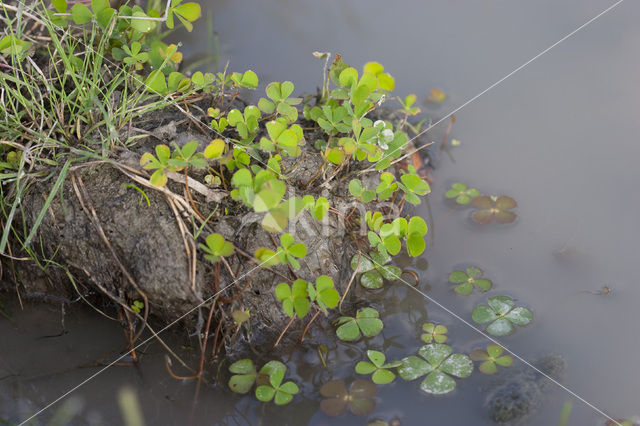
(284, 331)
(306, 328)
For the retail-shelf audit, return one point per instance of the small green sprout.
(434, 333)
(438, 364)
(387, 186)
(294, 298)
(381, 371)
(467, 280)
(413, 186)
(331, 118)
(389, 236)
(374, 268)
(407, 105)
(367, 321)
(266, 257)
(289, 251)
(134, 56)
(137, 306)
(160, 164)
(461, 193)
(358, 399)
(215, 149)
(268, 379)
(360, 192)
(247, 79)
(216, 247)
(502, 315)
(323, 293)
(218, 123)
(283, 138)
(494, 208)
(166, 161)
(280, 102)
(301, 294)
(246, 123)
(491, 358)
(12, 45)
(320, 208)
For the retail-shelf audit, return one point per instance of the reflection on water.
(560, 137)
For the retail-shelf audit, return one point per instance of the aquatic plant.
(301, 294)
(491, 358)
(367, 321)
(461, 193)
(493, 209)
(374, 269)
(381, 373)
(268, 380)
(434, 333)
(469, 279)
(438, 364)
(358, 399)
(502, 315)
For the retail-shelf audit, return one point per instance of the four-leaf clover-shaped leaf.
(492, 208)
(216, 247)
(434, 333)
(366, 321)
(461, 193)
(441, 363)
(491, 358)
(281, 393)
(358, 399)
(501, 315)
(381, 371)
(289, 251)
(374, 269)
(467, 280)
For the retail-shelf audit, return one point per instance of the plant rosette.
(381, 373)
(491, 358)
(461, 193)
(434, 333)
(469, 279)
(494, 209)
(501, 315)
(438, 364)
(358, 399)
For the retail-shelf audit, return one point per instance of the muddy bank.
(112, 240)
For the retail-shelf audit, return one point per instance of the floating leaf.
(501, 315)
(491, 358)
(461, 193)
(494, 209)
(358, 399)
(367, 322)
(468, 280)
(434, 333)
(439, 366)
(381, 371)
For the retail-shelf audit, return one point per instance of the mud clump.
(517, 397)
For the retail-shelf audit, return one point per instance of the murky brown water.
(560, 137)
